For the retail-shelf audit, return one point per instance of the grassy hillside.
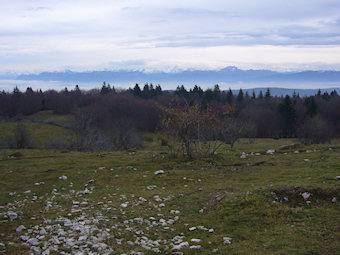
(114, 203)
(50, 117)
(40, 133)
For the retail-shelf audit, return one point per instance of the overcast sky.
(49, 35)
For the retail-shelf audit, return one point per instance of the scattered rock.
(124, 205)
(195, 240)
(243, 155)
(33, 241)
(272, 151)
(63, 178)
(151, 187)
(334, 200)
(24, 238)
(180, 246)
(195, 247)
(12, 215)
(20, 228)
(305, 195)
(227, 240)
(159, 172)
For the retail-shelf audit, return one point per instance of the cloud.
(92, 34)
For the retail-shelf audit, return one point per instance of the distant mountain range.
(229, 74)
(280, 83)
(285, 91)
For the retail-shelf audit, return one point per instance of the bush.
(19, 140)
(62, 143)
(124, 135)
(21, 137)
(314, 130)
(163, 141)
(91, 135)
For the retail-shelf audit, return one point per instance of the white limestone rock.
(195, 240)
(180, 246)
(305, 195)
(159, 172)
(20, 228)
(12, 215)
(124, 205)
(227, 240)
(272, 151)
(33, 241)
(195, 247)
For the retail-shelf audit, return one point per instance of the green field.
(42, 128)
(113, 203)
(49, 116)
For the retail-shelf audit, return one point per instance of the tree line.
(312, 119)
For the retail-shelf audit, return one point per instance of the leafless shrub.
(124, 135)
(315, 130)
(91, 135)
(61, 143)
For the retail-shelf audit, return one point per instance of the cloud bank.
(153, 35)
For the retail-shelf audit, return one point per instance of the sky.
(158, 35)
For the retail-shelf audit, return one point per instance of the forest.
(111, 119)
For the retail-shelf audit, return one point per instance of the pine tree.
(217, 92)
(230, 96)
(247, 95)
(326, 96)
(240, 96)
(311, 105)
(334, 93)
(152, 91)
(267, 95)
(288, 112)
(16, 91)
(181, 90)
(260, 95)
(319, 93)
(113, 90)
(158, 90)
(294, 94)
(146, 91)
(253, 96)
(104, 90)
(209, 95)
(29, 90)
(137, 91)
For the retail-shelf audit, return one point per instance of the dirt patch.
(298, 196)
(268, 163)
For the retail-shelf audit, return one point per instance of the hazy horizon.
(9, 85)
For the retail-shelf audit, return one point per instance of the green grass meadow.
(257, 200)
